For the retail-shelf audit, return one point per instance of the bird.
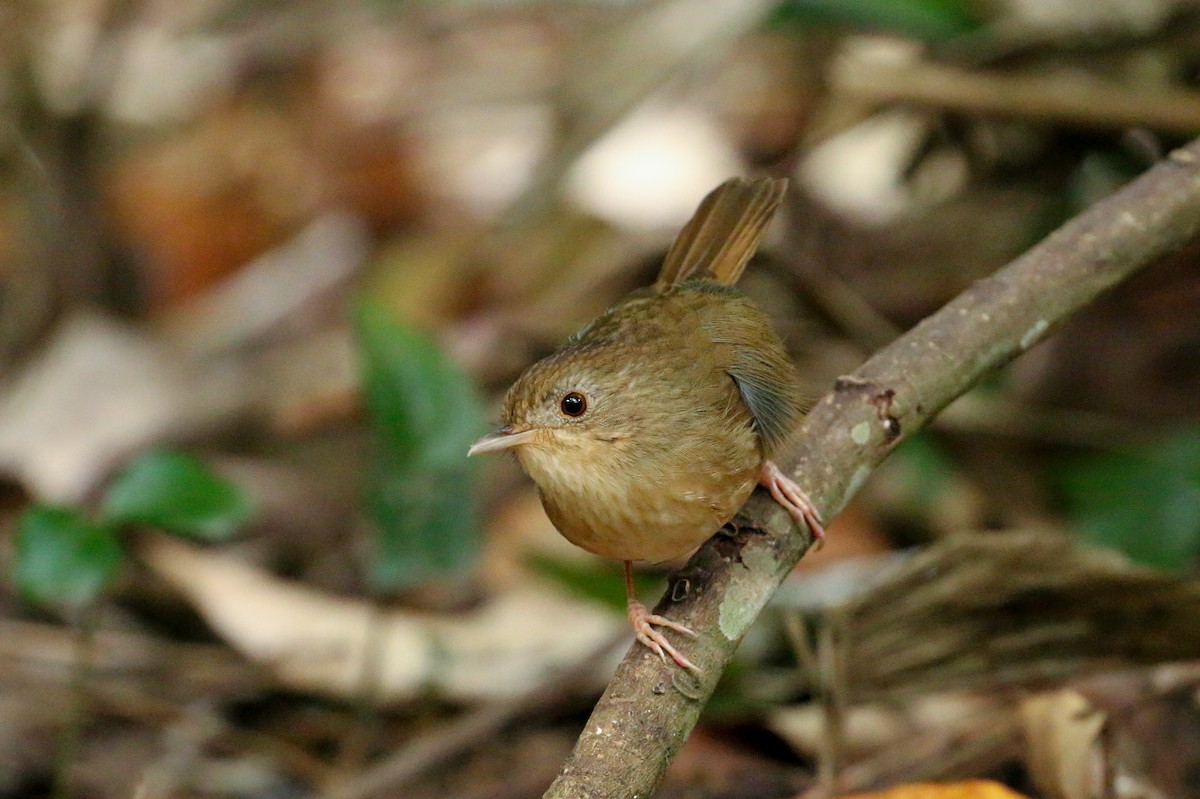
(652, 425)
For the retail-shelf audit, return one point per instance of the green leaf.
(425, 528)
(178, 493)
(424, 412)
(1146, 504)
(423, 406)
(924, 19)
(62, 559)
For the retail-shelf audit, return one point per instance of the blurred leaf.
(1146, 504)
(925, 470)
(178, 493)
(925, 19)
(425, 413)
(427, 526)
(424, 408)
(62, 559)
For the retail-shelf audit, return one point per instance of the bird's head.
(576, 408)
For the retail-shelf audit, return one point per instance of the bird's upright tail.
(723, 233)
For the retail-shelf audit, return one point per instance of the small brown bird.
(653, 424)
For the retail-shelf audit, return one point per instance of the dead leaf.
(98, 391)
(199, 205)
(314, 641)
(1062, 729)
(871, 727)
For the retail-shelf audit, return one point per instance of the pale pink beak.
(504, 438)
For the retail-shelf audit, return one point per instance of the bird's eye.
(574, 404)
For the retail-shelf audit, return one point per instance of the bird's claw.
(644, 623)
(791, 496)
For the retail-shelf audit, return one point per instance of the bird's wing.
(771, 398)
(723, 233)
(752, 355)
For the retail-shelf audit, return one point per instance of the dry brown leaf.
(871, 727)
(287, 284)
(97, 392)
(314, 641)
(199, 205)
(1062, 729)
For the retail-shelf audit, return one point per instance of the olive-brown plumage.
(652, 425)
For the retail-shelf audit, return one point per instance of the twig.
(981, 414)
(833, 705)
(354, 747)
(807, 667)
(649, 708)
(1064, 99)
(812, 236)
(84, 628)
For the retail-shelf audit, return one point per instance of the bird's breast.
(644, 510)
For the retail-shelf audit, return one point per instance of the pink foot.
(793, 499)
(642, 619)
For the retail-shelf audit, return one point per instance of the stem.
(84, 630)
(355, 747)
(829, 756)
(635, 730)
(1062, 99)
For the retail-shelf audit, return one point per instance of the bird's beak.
(505, 438)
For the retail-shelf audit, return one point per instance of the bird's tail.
(723, 233)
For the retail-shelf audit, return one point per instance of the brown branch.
(1063, 99)
(649, 708)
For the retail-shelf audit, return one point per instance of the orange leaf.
(972, 789)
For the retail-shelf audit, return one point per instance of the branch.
(1065, 99)
(649, 708)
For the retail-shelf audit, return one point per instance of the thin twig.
(78, 709)
(833, 706)
(981, 414)
(352, 753)
(809, 670)
(1062, 99)
(649, 708)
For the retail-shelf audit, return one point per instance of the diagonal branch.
(649, 708)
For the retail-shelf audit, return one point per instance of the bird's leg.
(644, 621)
(792, 497)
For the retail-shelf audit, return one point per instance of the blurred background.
(266, 269)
